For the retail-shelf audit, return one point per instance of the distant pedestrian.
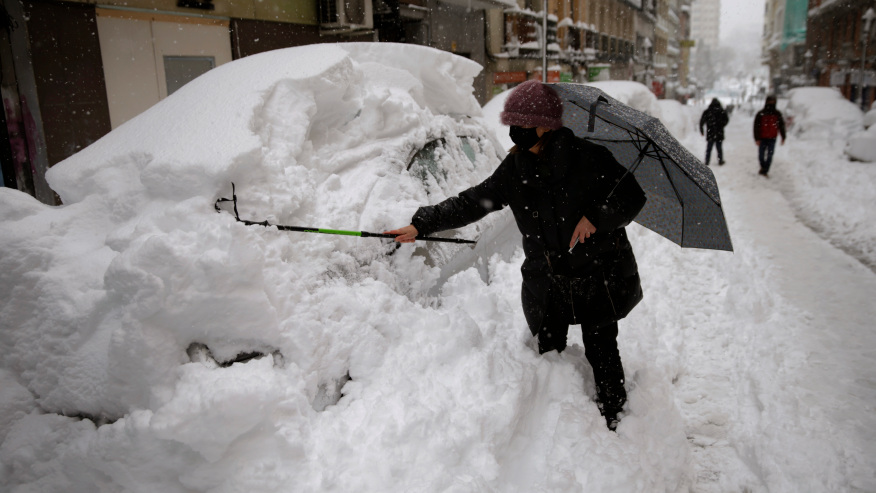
(768, 125)
(714, 119)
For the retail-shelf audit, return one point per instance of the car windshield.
(431, 162)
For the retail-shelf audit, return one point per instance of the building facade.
(642, 40)
(457, 26)
(586, 40)
(667, 53)
(686, 44)
(73, 70)
(839, 49)
(705, 27)
(705, 33)
(646, 23)
(784, 43)
(773, 23)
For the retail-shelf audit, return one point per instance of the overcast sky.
(742, 29)
(741, 19)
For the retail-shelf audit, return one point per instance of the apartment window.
(180, 70)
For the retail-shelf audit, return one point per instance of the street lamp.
(868, 17)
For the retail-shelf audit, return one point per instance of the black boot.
(600, 348)
(611, 404)
(612, 421)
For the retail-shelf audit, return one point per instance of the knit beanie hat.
(533, 104)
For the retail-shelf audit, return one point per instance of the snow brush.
(305, 229)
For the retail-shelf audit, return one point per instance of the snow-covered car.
(870, 116)
(862, 145)
(136, 296)
(821, 113)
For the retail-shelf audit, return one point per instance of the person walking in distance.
(571, 200)
(714, 119)
(768, 125)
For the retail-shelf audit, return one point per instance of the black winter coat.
(714, 119)
(548, 194)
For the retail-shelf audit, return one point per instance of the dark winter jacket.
(714, 119)
(769, 123)
(548, 194)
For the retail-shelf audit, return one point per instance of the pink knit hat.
(533, 104)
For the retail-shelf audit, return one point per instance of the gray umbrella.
(683, 201)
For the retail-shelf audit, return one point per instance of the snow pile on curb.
(862, 145)
(870, 116)
(831, 193)
(822, 113)
(837, 203)
(679, 119)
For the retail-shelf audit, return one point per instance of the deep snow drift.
(102, 298)
(834, 195)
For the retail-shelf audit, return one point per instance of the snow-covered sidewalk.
(793, 365)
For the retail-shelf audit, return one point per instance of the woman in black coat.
(571, 200)
(714, 119)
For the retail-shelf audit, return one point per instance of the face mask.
(525, 138)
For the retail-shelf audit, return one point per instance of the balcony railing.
(576, 44)
(523, 34)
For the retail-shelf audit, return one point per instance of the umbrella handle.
(591, 124)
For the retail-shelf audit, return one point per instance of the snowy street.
(802, 395)
(152, 343)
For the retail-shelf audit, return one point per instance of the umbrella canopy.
(683, 201)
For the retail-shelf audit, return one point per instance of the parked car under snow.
(821, 113)
(138, 274)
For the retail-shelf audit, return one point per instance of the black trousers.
(718, 145)
(600, 348)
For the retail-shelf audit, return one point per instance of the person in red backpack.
(768, 125)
